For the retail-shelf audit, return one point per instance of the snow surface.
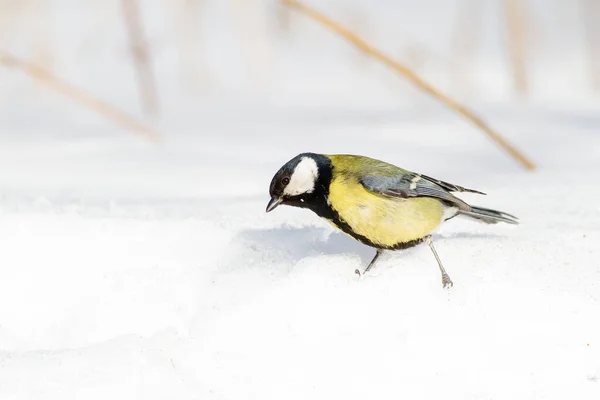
(135, 271)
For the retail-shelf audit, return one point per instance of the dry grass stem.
(515, 14)
(417, 80)
(80, 96)
(283, 18)
(141, 56)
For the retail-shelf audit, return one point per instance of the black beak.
(273, 203)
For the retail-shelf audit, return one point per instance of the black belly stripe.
(327, 212)
(364, 240)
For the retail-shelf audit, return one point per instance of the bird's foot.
(446, 281)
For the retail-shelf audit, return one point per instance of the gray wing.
(407, 185)
(449, 186)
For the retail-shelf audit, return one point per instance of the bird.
(377, 203)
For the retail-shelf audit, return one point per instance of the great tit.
(374, 202)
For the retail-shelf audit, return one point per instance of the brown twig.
(514, 11)
(283, 18)
(141, 56)
(417, 80)
(80, 96)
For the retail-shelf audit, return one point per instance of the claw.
(447, 282)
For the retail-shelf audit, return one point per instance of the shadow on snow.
(290, 245)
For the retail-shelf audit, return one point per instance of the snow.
(130, 270)
(134, 271)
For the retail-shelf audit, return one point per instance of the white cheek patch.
(303, 179)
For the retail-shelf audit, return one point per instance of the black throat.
(317, 200)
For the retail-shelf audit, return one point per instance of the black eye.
(285, 180)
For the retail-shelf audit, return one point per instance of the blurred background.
(159, 59)
(257, 81)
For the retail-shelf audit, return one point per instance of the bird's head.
(301, 181)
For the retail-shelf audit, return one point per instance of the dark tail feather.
(489, 216)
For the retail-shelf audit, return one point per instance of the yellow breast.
(383, 220)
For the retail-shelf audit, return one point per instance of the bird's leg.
(446, 281)
(379, 251)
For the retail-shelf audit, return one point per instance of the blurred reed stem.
(141, 56)
(283, 18)
(515, 14)
(78, 95)
(417, 80)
